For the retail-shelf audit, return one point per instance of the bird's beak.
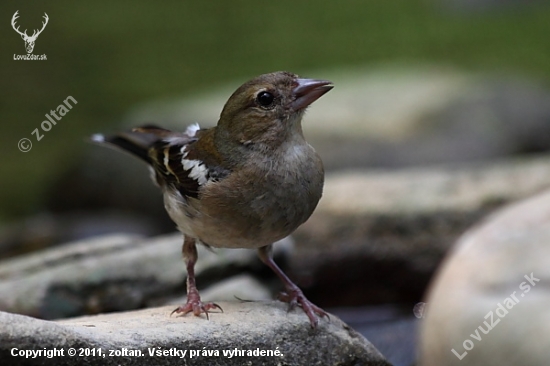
(308, 91)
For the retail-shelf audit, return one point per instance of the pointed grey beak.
(308, 91)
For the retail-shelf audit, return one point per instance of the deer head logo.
(29, 40)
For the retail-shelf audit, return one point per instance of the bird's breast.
(260, 203)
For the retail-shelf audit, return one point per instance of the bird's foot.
(196, 306)
(295, 297)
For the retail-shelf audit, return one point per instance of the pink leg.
(194, 303)
(293, 294)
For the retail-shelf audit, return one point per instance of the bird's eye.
(265, 99)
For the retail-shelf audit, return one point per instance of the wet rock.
(488, 304)
(251, 326)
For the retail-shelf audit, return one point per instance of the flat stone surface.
(249, 326)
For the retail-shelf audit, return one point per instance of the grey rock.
(242, 326)
(488, 305)
(386, 226)
(109, 273)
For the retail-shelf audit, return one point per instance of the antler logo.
(29, 40)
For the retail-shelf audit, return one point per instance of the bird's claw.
(196, 307)
(296, 297)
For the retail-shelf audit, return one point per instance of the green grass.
(113, 55)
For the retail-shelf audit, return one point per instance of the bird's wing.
(180, 165)
(172, 156)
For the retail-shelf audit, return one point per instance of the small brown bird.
(246, 183)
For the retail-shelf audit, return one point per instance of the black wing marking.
(171, 154)
(178, 165)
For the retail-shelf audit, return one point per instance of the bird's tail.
(136, 142)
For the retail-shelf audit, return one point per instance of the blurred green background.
(111, 56)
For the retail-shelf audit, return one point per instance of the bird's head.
(267, 110)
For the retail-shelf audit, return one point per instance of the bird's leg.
(293, 295)
(194, 303)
